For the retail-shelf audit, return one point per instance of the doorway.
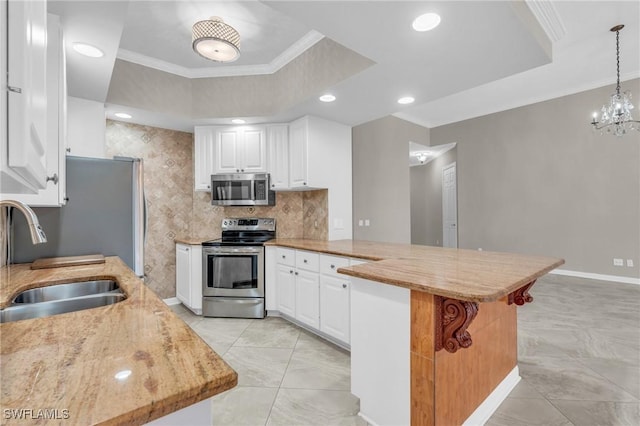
(449, 206)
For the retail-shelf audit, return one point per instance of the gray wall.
(426, 200)
(537, 180)
(381, 178)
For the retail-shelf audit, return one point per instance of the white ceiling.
(486, 56)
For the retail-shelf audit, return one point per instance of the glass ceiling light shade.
(615, 116)
(215, 40)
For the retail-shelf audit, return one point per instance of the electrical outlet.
(617, 262)
(630, 263)
(366, 222)
(360, 222)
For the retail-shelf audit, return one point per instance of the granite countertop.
(69, 361)
(477, 276)
(191, 240)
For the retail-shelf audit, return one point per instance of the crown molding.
(292, 52)
(548, 17)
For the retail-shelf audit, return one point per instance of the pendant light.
(615, 116)
(215, 40)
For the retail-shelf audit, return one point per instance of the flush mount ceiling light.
(327, 98)
(422, 156)
(215, 40)
(238, 121)
(122, 115)
(615, 116)
(88, 50)
(426, 22)
(406, 100)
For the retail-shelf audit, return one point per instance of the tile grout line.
(282, 380)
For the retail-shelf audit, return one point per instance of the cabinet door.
(183, 273)
(278, 142)
(53, 195)
(254, 150)
(334, 307)
(298, 139)
(285, 279)
(27, 96)
(204, 141)
(308, 298)
(226, 158)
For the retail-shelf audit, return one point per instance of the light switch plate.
(630, 263)
(618, 262)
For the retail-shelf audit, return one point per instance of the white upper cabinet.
(204, 140)
(298, 141)
(23, 154)
(240, 150)
(278, 142)
(54, 192)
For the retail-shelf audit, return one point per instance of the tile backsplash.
(175, 209)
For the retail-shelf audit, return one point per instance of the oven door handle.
(232, 251)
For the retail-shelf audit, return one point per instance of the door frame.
(455, 212)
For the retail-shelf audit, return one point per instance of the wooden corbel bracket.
(453, 317)
(521, 295)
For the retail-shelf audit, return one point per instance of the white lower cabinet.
(189, 276)
(285, 289)
(306, 287)
(308, 298)
(334, 307)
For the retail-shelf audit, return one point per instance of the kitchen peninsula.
(433, 331)
(131, 362)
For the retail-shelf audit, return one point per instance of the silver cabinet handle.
(242, 170)
(296, 273)
(333, 266)
(305, 260)
(344, 286)
(53, 178)
(68, 149)
(14, 89)
(284, 257)
(290, 271)
(187, 249)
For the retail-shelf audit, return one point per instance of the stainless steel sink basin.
(62, 298)
(65, 291)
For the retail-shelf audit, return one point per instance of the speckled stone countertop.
(70, 361)
(477, 276)
(187, 239)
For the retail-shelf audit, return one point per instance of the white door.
(298, 139)
(278, 142)
(308, 298)
(226, 152)
(286, 290)
(254, 151)
(334, 307)
(183, 274)
(449, 207)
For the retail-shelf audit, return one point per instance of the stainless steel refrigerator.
(104, 214)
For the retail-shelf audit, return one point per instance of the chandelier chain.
(618, 60)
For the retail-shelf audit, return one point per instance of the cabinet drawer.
(285, 256)
(307, 260)
(330, 264)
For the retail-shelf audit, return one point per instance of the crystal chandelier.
(615, 117)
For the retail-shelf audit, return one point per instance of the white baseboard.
(367, 419)
(592, 276)
(493, 401)
(172, 301)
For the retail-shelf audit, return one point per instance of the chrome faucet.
(37, 233)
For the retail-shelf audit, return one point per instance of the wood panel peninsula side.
(433, 330)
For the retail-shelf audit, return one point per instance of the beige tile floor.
(578, 352)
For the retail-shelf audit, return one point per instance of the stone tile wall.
(175, 209)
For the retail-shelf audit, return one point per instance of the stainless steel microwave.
(242, 189)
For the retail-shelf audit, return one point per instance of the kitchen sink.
(66, 291)
(62, 298)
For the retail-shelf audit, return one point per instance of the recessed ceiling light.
(327, 98)
(88, 50)
(406, 100)
(122, 115)
(238, 121)
(426, 22)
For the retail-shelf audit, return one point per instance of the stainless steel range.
(233, 269)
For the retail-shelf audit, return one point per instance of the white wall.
(85, 128)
